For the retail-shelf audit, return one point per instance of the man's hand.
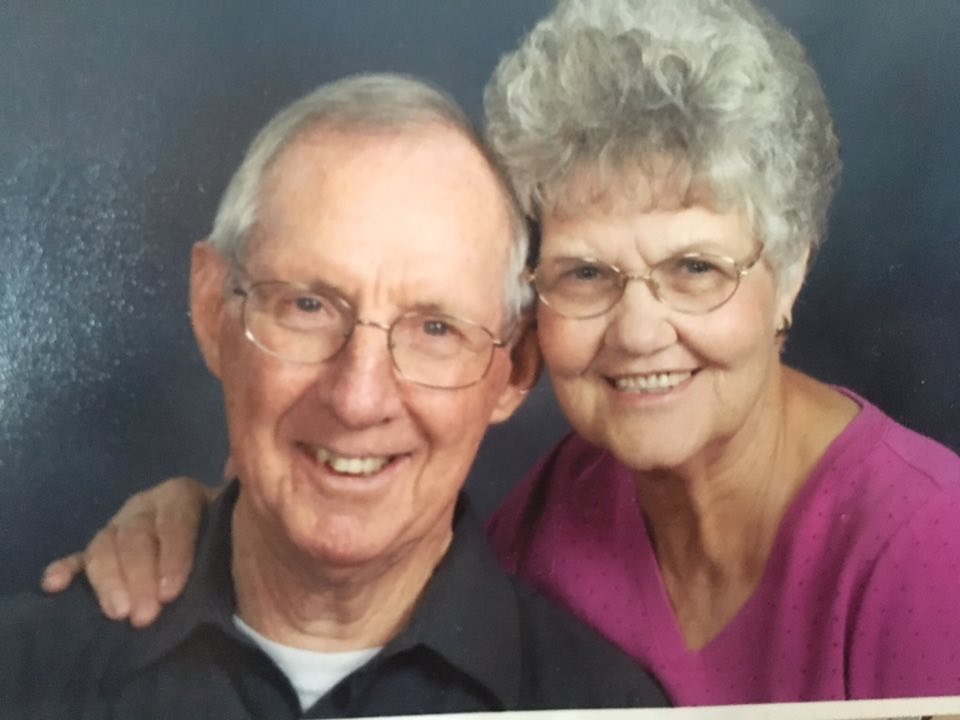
(142, 558)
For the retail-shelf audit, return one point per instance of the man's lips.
(352, 465)
(359, 465)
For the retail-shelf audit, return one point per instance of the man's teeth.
(351, 465)
(656, 382)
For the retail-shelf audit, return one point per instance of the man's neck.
(301, 602)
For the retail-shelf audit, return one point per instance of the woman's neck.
(297, 601)
(713, 521)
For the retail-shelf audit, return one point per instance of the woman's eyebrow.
(713, 246)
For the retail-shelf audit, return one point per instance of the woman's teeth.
(351, 465)
(655, 382)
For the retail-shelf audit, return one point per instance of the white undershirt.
(312, 674)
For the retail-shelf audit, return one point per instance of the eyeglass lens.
(690, 283)
(304, 326)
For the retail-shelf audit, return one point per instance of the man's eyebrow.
(431, 308)
(439, 308)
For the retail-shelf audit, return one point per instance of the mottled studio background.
(120, 122)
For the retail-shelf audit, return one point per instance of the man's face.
(392, 223)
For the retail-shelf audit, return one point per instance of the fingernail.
(119, 604)
(165, 587)
(144, 614)
(48, 579)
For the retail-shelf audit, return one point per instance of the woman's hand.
(142, 558)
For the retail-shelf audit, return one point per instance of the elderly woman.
(747, 532)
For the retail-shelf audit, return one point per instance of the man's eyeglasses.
(693, 283)
(303, 325)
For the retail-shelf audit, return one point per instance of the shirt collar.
(207, 600)
(467, 613)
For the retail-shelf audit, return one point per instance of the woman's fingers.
(58, 575)
(142, 558)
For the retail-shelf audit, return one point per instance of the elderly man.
(343, 301)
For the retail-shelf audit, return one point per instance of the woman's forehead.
(618, 233)
(655, 184)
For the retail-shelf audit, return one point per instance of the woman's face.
(659, 388)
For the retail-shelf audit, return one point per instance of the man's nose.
(365, 388)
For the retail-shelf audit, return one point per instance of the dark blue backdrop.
(122, 121)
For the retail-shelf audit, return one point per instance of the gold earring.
(783, 328)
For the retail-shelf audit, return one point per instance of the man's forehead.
(326, 148)
(419, 213)
(363, 180)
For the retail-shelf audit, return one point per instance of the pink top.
(860, 597)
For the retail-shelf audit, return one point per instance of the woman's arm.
(143, 556)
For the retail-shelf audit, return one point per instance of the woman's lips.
(655, 383)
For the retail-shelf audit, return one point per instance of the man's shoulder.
(569, 664)
(54, 643)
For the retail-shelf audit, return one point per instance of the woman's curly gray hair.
(715, 86)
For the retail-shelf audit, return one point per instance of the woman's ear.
(208, 276)
(526, 358)
(789, 284)
(525, 365)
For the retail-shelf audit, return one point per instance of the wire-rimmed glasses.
(302, 324)
(693, 283)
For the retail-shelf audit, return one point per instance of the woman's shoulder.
(887, 449)
(878, 476)
(869, 478)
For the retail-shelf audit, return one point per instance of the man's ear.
(525, 365)
(208, 276)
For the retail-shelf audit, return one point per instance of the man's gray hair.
(361, 103)
(716, 86)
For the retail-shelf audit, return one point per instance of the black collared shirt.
(477, 641)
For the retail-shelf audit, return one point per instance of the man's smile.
(352, 465)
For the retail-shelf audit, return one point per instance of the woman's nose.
(640, 323)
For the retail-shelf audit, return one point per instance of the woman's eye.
(308, 304)
(585, 272)
(696, 266)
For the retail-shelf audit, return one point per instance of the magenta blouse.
(860, 597)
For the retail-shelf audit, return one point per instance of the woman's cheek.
(568, 346)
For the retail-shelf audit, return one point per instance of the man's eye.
(438, 328)
(303, 311)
